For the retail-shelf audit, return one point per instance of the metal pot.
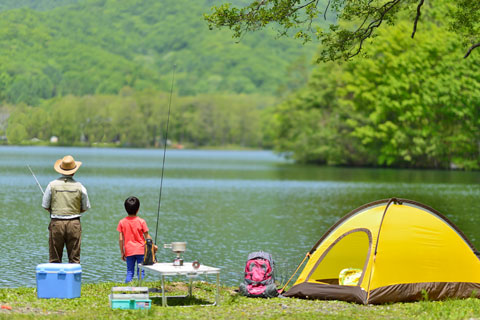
(176, 246)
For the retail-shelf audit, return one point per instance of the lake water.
(224, 204)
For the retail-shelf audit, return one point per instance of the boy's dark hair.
(132, 204)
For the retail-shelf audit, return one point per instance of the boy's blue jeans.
(131, 260)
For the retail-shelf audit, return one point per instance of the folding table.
(168, 269)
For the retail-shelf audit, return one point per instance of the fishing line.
(38, 183)
(164, 152)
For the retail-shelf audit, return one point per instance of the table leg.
(190, 287)
(140, 278)
(216, 293)
(164, 298)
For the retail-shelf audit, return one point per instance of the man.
(66, 200)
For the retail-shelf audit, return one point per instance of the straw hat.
(67, 165)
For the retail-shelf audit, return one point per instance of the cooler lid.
(62, 267)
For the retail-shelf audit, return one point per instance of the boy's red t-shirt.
(133, 229)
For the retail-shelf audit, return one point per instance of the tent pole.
(301, 263)
(394, 200)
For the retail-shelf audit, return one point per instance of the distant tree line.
(139, 119)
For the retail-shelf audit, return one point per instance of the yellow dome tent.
(389, 251)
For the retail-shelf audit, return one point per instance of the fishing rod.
(164, 152)
(38, 183)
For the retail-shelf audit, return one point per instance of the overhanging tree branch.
(326, 9)
(303, 6)
(417, 17)
(374, 24)
(476, 45)
(340, 40)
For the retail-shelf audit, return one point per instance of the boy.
(133, 232)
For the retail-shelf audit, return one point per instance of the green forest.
(98, 72)
(404, 103)
(101, 46)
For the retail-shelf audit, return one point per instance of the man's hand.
(123, 257)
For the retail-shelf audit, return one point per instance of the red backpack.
(259, 280)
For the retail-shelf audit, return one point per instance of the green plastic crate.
(131, 304)
(130, 298)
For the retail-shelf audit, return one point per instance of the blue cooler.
(59, 280)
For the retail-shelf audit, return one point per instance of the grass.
(94, 304)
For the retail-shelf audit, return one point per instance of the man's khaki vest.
(66, 197)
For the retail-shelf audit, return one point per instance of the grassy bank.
(22, 303)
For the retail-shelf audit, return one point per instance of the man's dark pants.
(64, 232)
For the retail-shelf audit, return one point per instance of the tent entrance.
(349, 251)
